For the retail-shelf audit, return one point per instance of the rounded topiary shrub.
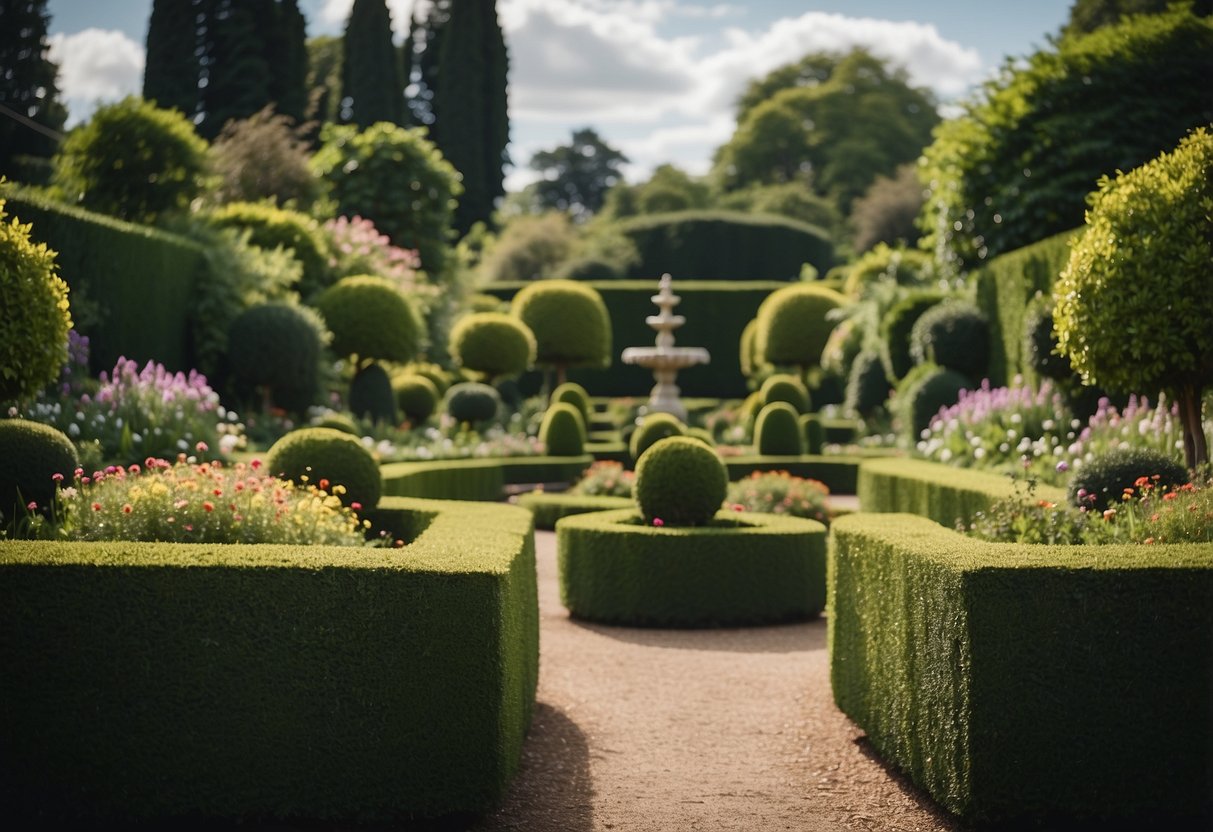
(814, 433)
(276, 348)
(1040, 344)
(747, 349)
(370, 318)
(783, 387)
(314, 454)
(681, 482)
(867, 386)
(416, 396)
(793, 324)
(492, 343)
(955, 335)
(895, 329)
(339, 421)
(371, 395)
(842, 348)
(703, 435)
(777, 431)
(434, 372)
(654, 427)
(930, 390)
(270, 227)
(30, 455)
(570, 321)
(471, 402)
(573, 393)
(1101, 483)
(562, 431)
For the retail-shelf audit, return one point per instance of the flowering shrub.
(396, 444)
(360, 249)
(605, 479)
(778, 492)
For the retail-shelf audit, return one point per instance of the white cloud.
(96, 66)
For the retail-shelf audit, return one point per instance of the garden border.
(480, 478)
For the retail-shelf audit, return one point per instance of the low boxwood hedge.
(159, 681)
(750, 569)
(1029, 685)
(837, 473)
(477, 479)
(548, 508)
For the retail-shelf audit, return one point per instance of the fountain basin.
(671, 358)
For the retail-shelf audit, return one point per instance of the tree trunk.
(1196, 447)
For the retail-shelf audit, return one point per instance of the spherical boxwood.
(654, 427)
(31, 454)
(573, 393)
(471, 402)
(931, 391)
(371, 395)
(895, 329)
(437, 376)
(36, 318)
(493, 343)
(271, 227)
(703, 435)
(327, 454)
(416, 396)
(777, 431)
(783, 387)
(370, 318)
(954, 334)
(339, 421)
(681, 482)
(570, 321)
(867, 385)
(562, 432)
(277, 347)
(793, 326)
(1101, 483)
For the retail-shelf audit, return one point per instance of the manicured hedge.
(131, 286)
(1029, 686)
(764, 569)
(159, 681)
(838, 473)
(477, 479)
(725, 245)
(941, 492)
(548, 508)
(1005, 286)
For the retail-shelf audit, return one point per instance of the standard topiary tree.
(471, 402)
(928, 391)
(573, 393)
(793, 325)
(681, 482)
(36, 318)
(867, 386)
(562, 431)
(1102, 482)
(371, 395)
(656, 426)
(314, 454)
(570, 323)
(32, 455)
(786, 388)
(271, 227)
(416, 396)
(1133, 306)
(895, 329)
(777, 431)
(493, 343)
(275, 350)
(954, 334)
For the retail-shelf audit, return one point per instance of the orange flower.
(208, 507)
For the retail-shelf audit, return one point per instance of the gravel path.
(705, 729)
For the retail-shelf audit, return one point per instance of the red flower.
(96, 506)
(127, 509)
(356, 506)
(208, 507)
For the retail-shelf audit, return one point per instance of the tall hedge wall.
(1029, 686)
(715, 312)
(725, 245)
(1005, 286)
(156, 681)
(131, 286)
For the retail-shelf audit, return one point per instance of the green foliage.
(437, 376)
(588, 268)
(1016, 166)
(814, 432)
(33, 330)
(656, 426)
(669, 188)
(309, 455)
(896, 327)
(1040, 354)
(930, 389)
(479, 478)
(1101, 482)
(372, 88)
(577, 176)
(954, 335)
(529, 248)
(843, 347)
(562, 430)
(680, 481)
(605, 478)
(783, 387)
(416, 396)
(548, 507)
(371, 319)
(494, 343)
(372, 398)
(777, 431)
(339, 421)
(573, 393)
(271, 227)
(867, 385)
(903, 266)
(747, 349)
(133, 161)
(277, 348)
(263, 157)
(569, 321)
(28, 84)
(794, 324)
(887, 211)
(471, 402)
(1088, 15)
(791, 200)
(1133, 306)
(33, 453)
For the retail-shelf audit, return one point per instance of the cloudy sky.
(656, 78)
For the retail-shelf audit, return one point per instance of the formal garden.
(296, 454)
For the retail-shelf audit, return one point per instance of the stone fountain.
(665, 359)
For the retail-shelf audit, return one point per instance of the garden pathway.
(704, 729)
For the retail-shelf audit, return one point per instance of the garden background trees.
(27, 84)
(372, 89)
(576, 176)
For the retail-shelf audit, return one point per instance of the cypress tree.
(234, 66)
(285, 54)
(372, 89)
(171, 71)
(324, 61)
(27, 83)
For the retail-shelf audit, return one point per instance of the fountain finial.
(665, 359)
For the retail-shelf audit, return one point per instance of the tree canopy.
(28, 84)
(577, 176)
(1088, 15)
(372, 89)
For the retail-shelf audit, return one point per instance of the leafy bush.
(896, 327)
(1102, 483)
(471, 402)
(370, 318)
(867, 385)
(359, 248)
(371, 395)
(262, 157)
(814, 432)
(843, 346)
(35, 457)
(656, 426)
(747, 349)
(416, 396)
(1040, 344)
(786, 388)
(680, 482)
(562, 431)
(529, 248)
(794, 324)
(573, 393)
(928, 393)
(777, 431)
(317, 455)
(955, 335)
(605, 478)
(778, 492)
(569, 321)
(437, 376)
(493, 343)
(277, 348)
(271, 227)
(887, 211)
(902, 266)
(339, 421)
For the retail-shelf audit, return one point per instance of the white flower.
(73, 430)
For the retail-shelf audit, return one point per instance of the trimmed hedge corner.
(750, 569)
(1029, 685)
(159, 681)
(480, 479)
(548, 508)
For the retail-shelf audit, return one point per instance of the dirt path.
(707, 729)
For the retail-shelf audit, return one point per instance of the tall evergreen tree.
(171, 71)
(324, 61)
(28, 89)
(372, 89)
(282, 26)
(234, 69)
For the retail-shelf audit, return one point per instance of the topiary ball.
(680, 481)
(867, 386)
(573, 393)
(777, 431)
(31, 454)
(371, 395)
(895, 329)
(1100, 484)
(929, 392)
(654, 427)
(955, 335)
(562, 431)
(277, 347)
(416, 396)
(438, 376)
(570, 321)
(314, 454)
(339, 421)
(271, 227)
(814, 432)
(471, 402)
(783, 387)
(703, 435)
(370, 318)
(493, 343)
(793, 324)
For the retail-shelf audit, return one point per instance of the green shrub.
(777, 431)
(277, 348)
(478, 478)
(315, 454)
(437, 376)
(588, 268)
(33, 453)
(492, 343)
(793, 326)
(529, 248)
(36, 320)
(867, 386)
(681, 482)
(747, 349)
(654, 427)
(1040, 344)
(786, 388)
(569, 321)
(905, 267)
(339, 421)
(778, 492)
(272, 227)
(843, 346)
(605, 478)
(748, 412)
(471, 402)
(371, 319)
(371, 395)
(1102, 482)
(416, 396)
(548, 508)
(895, 329)
(954, 335)
(928, 392)
(562, 431)
(573, 393)
(263, 157)
(703, 435)
(814, 433)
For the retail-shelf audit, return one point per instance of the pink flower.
(256, 464)
(200, 447)
(657, 521)
(31, 505)
(356, 506)
(57, 477)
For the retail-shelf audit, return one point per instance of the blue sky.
(656, 78)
